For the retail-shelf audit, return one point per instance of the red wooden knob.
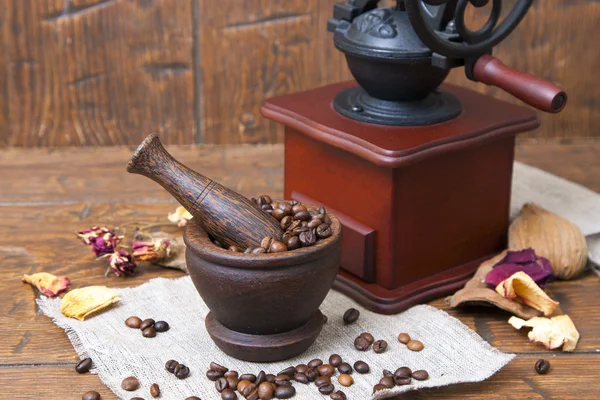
(536, 92)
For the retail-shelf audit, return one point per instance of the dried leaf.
(552, 332)
(477, 292)
(521, 287)
(46, 283)
(80, 303)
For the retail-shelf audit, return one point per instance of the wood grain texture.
(95, 72)
(36, 358)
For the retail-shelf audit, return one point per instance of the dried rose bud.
(103, 240)
(181, 216)
(151, 251)
(93, 232)
(121, 263)
(46, 283)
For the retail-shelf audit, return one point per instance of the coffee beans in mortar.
(302, 226)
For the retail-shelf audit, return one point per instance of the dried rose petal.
(121, 263)
(80, 303)
(48, 284)
(103, 240)
(151, 251)
(538, 268)
(552, 332)
(181, 216)
(521, 286)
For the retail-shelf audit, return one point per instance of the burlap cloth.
(453, 353)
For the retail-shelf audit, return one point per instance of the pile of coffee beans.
(179, 370)
(149, 327)
(402, 376)
(302, 226)
(413, 345)
(364, 341)
(266, 386)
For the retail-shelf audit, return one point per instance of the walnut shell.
(552, 237)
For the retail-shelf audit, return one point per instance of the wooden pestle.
(224, 214)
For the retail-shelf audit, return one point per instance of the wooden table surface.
(46, 195)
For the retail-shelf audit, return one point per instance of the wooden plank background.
(108, 72)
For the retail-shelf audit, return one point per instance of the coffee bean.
(235, 249)
(231, 373)
(335, 360)
(298, 230)
(171, 365)
(277, 247)
(301, 378)
(311, 374)
(325, 370)
(84, 365)
(322, 380)
(302, 216)
(228, 394)
(211, 374)
(313, 224)
(324, 231)
(351, 315)
(181, 371)
(286, 222)
(368, 336)
(260, 378)
(217, 367)
(267, 198)
(387, 382)
(267, 207)
(314, 363)
(301, 368)
(403, 338)
(242, 385)
(147, 323)
(154, 390)
(403, 372)
(91, 395)
(420, 375)
(278, 214)
(542, 366)
(284, 392)
(326, 389)
(260, 201)
(307, 238)
(339, 395)
(379, 387)
(361, 367)
(270, 378)
(133, 322)
(282, 380)
(266, 243)
(361, 344)
(379, 346)
(293, 243)
(265, 391)
(193, 398)
(232, 380)
(149, 332)
(415, 345)
(298, 208)
(161, 326)
(248, 377)
(345, 380)
(402, 381)
(221, 384)
(258, 250)
(130, 384)
(345, 368)
(247, 389)
(285, 206)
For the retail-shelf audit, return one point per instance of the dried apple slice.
(80, 303)
(552, 332)
(520, 286)
(50, 285)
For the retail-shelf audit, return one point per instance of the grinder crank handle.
(535, 91)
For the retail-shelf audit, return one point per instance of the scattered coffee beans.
(387, 382)
(154, 390)
(212, 374)
(361, 344)
(149, 332)
(325, 370)
(339, 395)
(133, 322)
(289, 371)
(415, 345)
(228, 394)
(130, 384)
(314, 363)
(84, 365)
(379, 346)
(345, 368)
(171, 365)
(301, 378)
(387, 373)
(282, 380)
(351, 315)
(91, 395)
(403, 372)
(265, 391)
(368, 337)
(161, 326)
(147, 323)
(403, 338)
(327, 388)
(379, 387)
(322, 380)
(248, 389)
(402, 381)
(261, 377)
(217, 367)
(284, 392)
(311, 374)
(181, 371)
(420, 375)
(335, 360)
(248, 377)
(345, 380)
(361, 367)
(301, 368)
(221, 384)
(542, 366)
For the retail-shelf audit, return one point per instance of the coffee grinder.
(418, 172)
